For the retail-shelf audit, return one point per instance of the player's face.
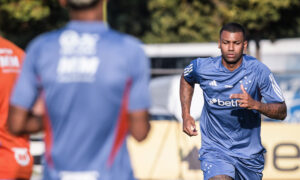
(232, 45)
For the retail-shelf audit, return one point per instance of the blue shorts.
(215, 163)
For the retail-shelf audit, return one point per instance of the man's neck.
(232, 67)
(91, 14)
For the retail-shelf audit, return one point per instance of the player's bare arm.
(271, 110)
(21, 121)
(139, 125)
(186, 94)
(221, 177)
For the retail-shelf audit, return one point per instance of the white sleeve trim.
(275, 86)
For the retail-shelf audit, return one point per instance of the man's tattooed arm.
(273, 110)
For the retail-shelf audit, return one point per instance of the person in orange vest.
(15, 159)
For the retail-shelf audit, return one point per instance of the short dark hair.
(233, 27)
(81, 4)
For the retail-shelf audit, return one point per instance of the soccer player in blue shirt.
(94, 81)
(233, 86)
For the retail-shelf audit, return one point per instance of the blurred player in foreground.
(233, 85)
(15, 159)
(95, 84)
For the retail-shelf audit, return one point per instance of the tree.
(181, 21)
(194, 20)
(22, 20)
(262, 18)
(160, 21)
(130, 16)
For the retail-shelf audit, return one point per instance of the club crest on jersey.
(21, 155)
(245, 81)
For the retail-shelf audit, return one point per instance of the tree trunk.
(257, 48)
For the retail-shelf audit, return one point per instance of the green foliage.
(194, 20)
(26, 10)
(181, 21)
(22, 20)
(130, 16)
(257, 15)
(160, 21)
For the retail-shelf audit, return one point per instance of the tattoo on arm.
(273, 110)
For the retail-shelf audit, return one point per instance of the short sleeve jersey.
(224, 125)
(90, 77)
(15, 159)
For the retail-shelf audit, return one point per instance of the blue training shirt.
(91, 76)
(224, 125)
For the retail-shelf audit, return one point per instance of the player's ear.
(245, 46)
(219, 44)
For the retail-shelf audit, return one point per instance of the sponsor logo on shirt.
(84, 65)
(219, 102)
(213, 83)
(5, 51)
(21, 155)
(228, 86)
(78, 61)
(8, 61)
(73, 43)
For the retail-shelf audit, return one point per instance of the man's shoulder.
(206, 61)
(45, 39)
(250, 59)
(255, 64)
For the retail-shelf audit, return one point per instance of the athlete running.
(233, 86)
